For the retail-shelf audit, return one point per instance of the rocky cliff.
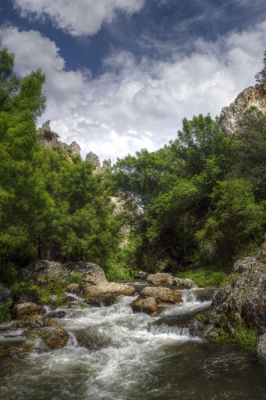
(48, 138)
(253, 96)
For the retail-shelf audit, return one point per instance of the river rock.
(108, 288)
(162, 295)
(181, 283)
(261, 348)
(73, 288)
(144, 304)
(158, 279)
(99, 301)
(36, 334)
(34, 322)
(56, 339)
(25, 310)
(92, 274)
(56, 314)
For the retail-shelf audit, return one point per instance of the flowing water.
(115, 354)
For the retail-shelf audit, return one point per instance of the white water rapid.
(114, 354)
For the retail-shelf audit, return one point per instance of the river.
(114, 354)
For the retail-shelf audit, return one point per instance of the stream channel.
(113, 353)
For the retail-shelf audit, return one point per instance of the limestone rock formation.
(251, 96)
(94, 160)
(48, 138)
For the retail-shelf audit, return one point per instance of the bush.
(245, 337)
(75, 277)
(5, 312)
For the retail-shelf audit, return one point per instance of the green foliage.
(5, 312)
(75, 277)
(204, 277)
(246, 337)
(261, 76)
(3, 353)
(173, 187)
(50, 207)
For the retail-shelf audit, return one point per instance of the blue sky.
(122, 74)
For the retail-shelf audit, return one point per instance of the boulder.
(162, 295)
(147, 305)
(56, 338)
(25, 310)
(158, 279)
(241, 302)
(261, 348)
(56, 314)
(108, 288)
(244, 295)
(181, 283)
(91, 273)
(50, 269)
(73, 288)
(34, 322)
(99, 301)
(36, 334)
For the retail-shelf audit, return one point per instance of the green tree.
(261, 76)
(21, 101)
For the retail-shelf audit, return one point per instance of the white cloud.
(138, 104)
(77, 17)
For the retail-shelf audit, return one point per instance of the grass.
(204, 278)
(76, 278)
(245, 337)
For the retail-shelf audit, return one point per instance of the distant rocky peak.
(253, 96)
(94, 160)
(48, 138)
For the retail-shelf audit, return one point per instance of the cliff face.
(253, 96)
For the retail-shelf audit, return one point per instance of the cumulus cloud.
(134, 103)
(79, 18)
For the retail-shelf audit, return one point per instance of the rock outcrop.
(48, 138)
(230, 116)
(94, 160)
(240, 303)
(92, 274)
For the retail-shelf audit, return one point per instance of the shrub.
(75, 277)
